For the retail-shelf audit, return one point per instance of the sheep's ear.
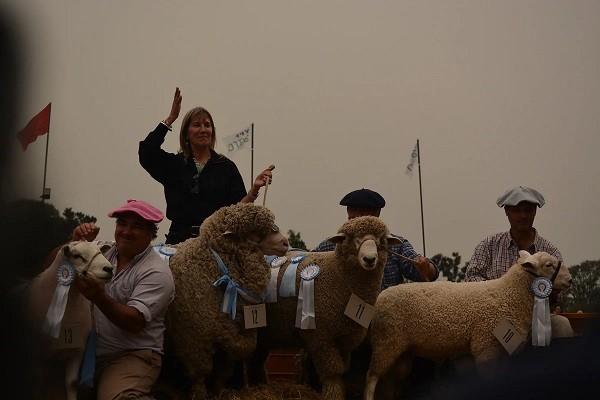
(339, 238)
(67, 250)
(228, 235)
(393, 240)
(524, 254)
(527, 260)
(105, 247)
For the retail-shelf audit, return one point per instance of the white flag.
(239, 140)
(413, 160)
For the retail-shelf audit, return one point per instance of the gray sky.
(499, 93)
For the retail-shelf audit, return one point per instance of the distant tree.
(296, 241)
(31, 229)
(584, 294)
(450, 267)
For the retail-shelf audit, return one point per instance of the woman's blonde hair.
(184, 143)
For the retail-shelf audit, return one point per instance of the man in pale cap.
(364, 202)
(130, 309)
(495, 254)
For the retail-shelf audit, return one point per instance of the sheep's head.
(88, 259)
(365, 240)
(243, 223)
(544, 264)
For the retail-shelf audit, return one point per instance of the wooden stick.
(271, 167)
(403, 257)
(266, 189)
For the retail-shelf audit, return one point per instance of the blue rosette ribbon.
(66, 274)
(305, 309)
(541, 328)
(276, 263)
(164, 251)
(288, 281)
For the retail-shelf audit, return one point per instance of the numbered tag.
(71, 337)
(359, 311)
(507, 336)
(255, 316)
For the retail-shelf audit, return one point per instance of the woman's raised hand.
(175, 108)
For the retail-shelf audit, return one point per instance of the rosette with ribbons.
(288, 281)
(305, 310)
(164, 251)
(66, 274)
(541, 328)
(232, 289)
(276, 263)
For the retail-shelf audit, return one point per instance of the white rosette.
(305, 310)
(164, 251)
(541, 328)
(66, 274)
(288, 281)
(276, 263)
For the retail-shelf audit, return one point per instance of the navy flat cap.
(514, 196)
(364, 198)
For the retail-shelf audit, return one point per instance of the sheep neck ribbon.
(288, 281)
(232, 289)
(66, 274)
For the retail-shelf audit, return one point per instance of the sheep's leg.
(198, 368)
(382, 359)
(329, 363)
(255, 366)
(71, 375)
(370, 385)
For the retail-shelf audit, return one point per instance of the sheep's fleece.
(445, 319)
(342, 274)
(87, 258)
(197, 327)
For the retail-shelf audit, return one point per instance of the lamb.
(200, 332)
(87, 259)
(355, 267)
(446, 319)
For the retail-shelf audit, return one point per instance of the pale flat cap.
(364, 198)
(514, 196)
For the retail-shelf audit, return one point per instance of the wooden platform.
(282, 364)
(582, 323)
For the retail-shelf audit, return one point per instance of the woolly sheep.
(87, 258)
(199, 331)
(355, 267)
(446, 319)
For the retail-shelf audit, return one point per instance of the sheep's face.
(544, 264)
(274, 244)
(88, 259)
(367, 238)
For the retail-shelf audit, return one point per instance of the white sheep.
(354, 267)
(200, 332)
(87, 259)
(447, 319)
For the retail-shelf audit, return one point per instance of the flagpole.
(252, 156)
(44, 195)
(421, 196)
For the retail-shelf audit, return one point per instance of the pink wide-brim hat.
(141, 208)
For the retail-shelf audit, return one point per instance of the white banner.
(238, 141)
(413, 160)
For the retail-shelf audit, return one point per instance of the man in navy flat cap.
(494, 255)
(364, 202)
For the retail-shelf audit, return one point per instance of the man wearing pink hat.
(130, 309)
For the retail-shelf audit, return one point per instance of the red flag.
(37, 126)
